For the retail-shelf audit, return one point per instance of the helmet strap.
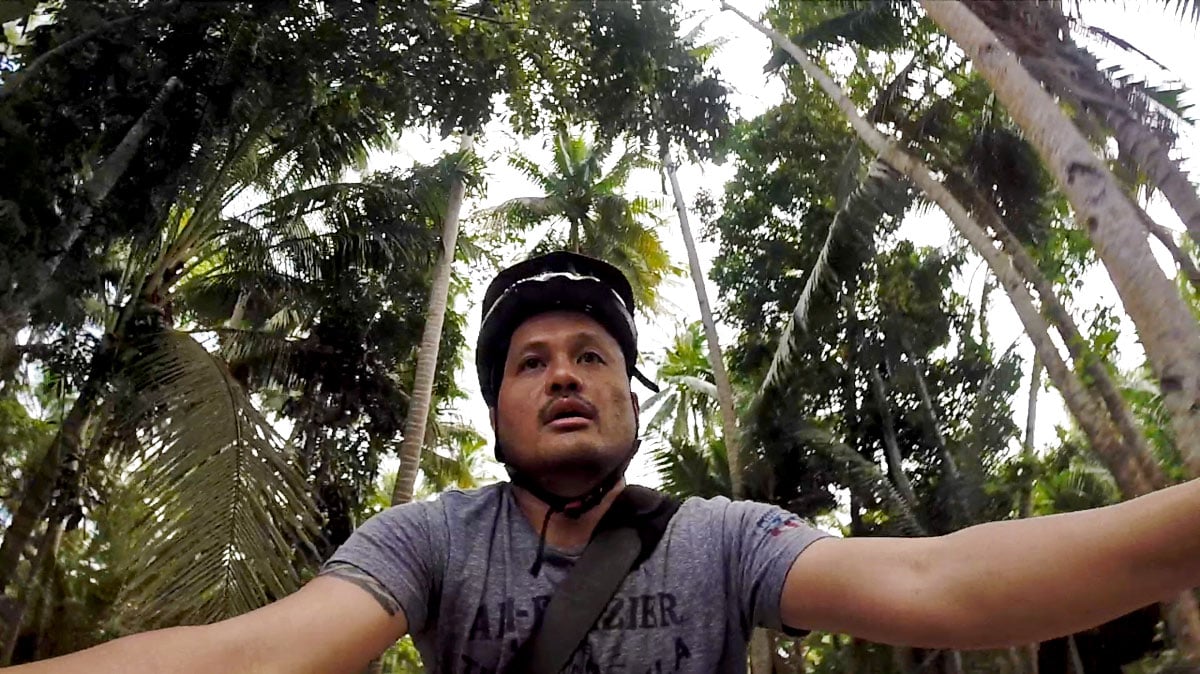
(572, 506)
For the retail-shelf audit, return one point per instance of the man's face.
(565, 411)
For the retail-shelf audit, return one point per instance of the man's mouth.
(569, 414)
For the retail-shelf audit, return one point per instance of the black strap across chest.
(624, 538)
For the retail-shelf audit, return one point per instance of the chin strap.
(571, 506)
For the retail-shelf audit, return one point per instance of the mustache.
(544, 413)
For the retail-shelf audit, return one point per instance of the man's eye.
(529, 362)
(591, 357)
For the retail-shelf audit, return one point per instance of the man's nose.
(562, 377)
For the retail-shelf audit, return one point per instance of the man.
(471, 573)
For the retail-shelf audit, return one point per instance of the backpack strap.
(624, 538)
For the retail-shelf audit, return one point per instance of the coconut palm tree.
(584, 203)
(435, 313)
(1168, 330)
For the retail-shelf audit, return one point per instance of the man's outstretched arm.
(331, 625)
(1002, 583)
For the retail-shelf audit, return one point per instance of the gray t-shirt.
(460, 568)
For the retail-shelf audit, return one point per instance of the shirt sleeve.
(399, 548)
(761, 542)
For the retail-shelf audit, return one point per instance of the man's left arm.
(1002, 583)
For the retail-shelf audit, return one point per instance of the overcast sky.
(740, 61)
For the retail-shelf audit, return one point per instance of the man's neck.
(564, 532)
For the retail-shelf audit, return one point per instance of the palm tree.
(177, 392)
(1139, 117)
(684, 409)
(599, 219)
(720, 375)
(435, 313)
(1170, 333)
(1088, 409)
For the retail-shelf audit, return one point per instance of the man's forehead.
(570, 325)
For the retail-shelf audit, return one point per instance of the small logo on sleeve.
(777, 522)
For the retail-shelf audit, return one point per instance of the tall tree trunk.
(890, 445)
(1167, 328)
(427, 356)
(761, 661)
(1064, 323)
(1187, 266)
(954, 663)
(1074, 74)
(1027, 450)
(968, 501)
(760, 648)
(104, 177)
(574, 240)
(715, 358)
(10, 354)
(1139, 143)
(1130, 473)
(97, 188)
(37, 588)
(38, 487)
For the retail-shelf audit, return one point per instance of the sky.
(1145, 24)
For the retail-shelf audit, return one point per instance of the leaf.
(879, 26)
(696, 384)
(883, 193)
(227, 510)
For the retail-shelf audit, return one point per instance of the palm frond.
(618, 175)
(227, 510)
(530, 169)
(519, 212)
(688, 469)
(883, 193)
(866, 475)
(696, 384)
(1188, 10)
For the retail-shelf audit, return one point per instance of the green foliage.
(588, 200)
(224, 504)
(685, 410)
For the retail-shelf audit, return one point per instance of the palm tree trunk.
(1074, 74)
(891, 447)
(760, 648)
(1139, 143)
(1167, 328)
(419, 402)
(11, 323)
(573, 238)
(1187, 266)
(37, 588)
(1092, 365)
(39, 487)
(715, 358)
(94, 192)
(15, 79)
(967, 501)
(1027, 451)
(761, 661)
(954, 663)
(96, 189)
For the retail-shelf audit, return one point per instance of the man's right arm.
(336, 623)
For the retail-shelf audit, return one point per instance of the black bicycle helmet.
(555, 281)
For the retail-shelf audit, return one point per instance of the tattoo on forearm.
(365, 581)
